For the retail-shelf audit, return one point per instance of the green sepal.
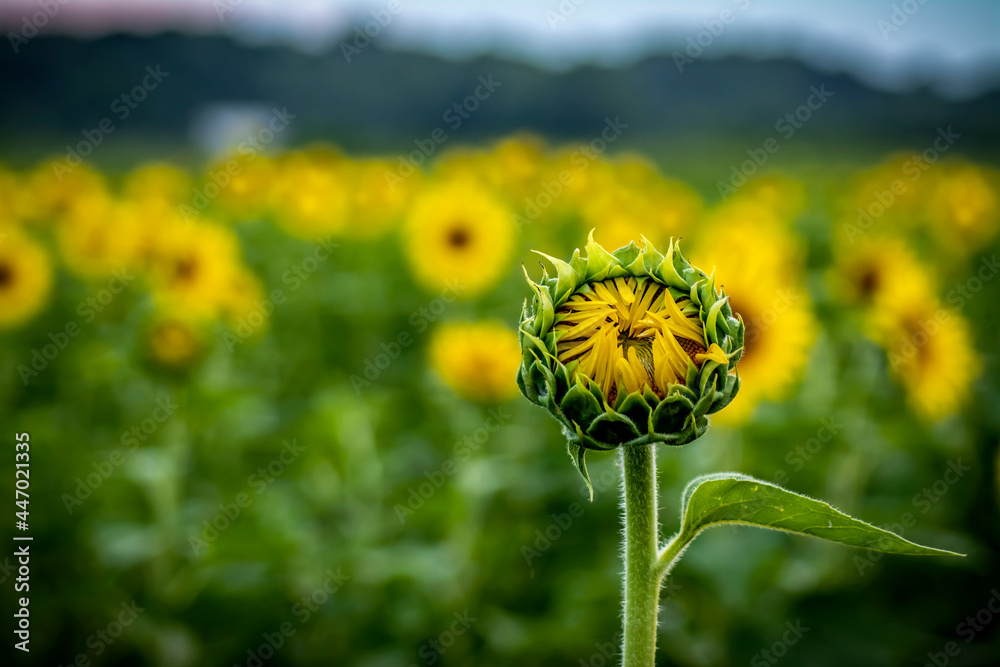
(545, 312)
(577, 454)
(740, 333)
(691, 377)
(670, 414)
(563, 375)
(713, 322)
(709, 369)
(707, 295)
(579, 266)
(543, 378)
(652, 400)
(705, 402)
(566, 280)
(651, 260)
(526, 388)
(626, 256)
(732, 386)
(532, 343)
(599, 261)
(613, 428)
(635, 407)
(684, 391)
(667, 271)
(579, 405)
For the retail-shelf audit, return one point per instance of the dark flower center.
(6, 275)
(185, 268)
(458, 237)
(868, 282)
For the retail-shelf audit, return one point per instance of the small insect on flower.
(629, 348)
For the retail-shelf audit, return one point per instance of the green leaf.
(731, 498)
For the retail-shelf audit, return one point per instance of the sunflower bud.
(629, 348)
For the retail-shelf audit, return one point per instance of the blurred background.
(260, 273)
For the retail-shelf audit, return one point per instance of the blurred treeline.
(58, 86)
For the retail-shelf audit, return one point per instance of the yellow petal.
(715, 353)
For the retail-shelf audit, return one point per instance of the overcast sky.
(953, 46)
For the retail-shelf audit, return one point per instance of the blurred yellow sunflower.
(876, 271)
(762, 268)
(100, 235)
(580, 172)
(240, 187)
(15, 204)
(929, 348)
(964, 207)
(514, 164)
(242, 301)
(746, 238)
(786, 197)
(311, 193)
(614, 216)
(456, 231)
(675, 208)
(175, 341)
(157, 183)
(376, 204)
(477, 360)
(780, 331)
(615, 211)
(194, 267)
(456, 162)
(25, 277)
(930, 352)
(671, 207)
(887, 197)
(52, 192)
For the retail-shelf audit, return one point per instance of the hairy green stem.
(642, 576)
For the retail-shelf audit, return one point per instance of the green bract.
(643, 417)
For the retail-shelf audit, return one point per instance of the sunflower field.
(273, 416)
